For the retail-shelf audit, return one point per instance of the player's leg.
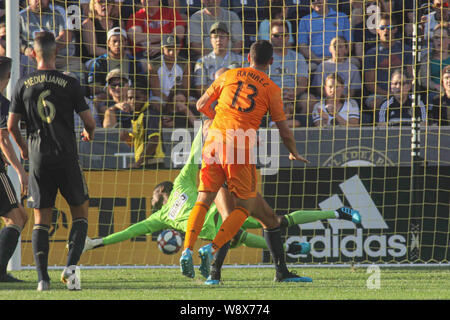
(272, 234)
(40, 244)
(307, 216)
(193, 229)
(41, 197)
(211, 179)
(73, 188)
(227, 231)
(78, 232)
(241, 180)
(14, 221)
(15, 218)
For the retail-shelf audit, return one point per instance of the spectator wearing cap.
(116, 57)
(146, 26)
(221, 56)
(117, 111)
(439, 111)
(202, 21)
(95, 27)
(169, 70)
(145, 136)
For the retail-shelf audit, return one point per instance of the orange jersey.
(244, 97)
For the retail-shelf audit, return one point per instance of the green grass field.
(238, 284)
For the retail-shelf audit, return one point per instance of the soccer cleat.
(349, 214)
(296, 247)
(186, 263)
(212, 282)
(206, 256)
(90, 244)
(9, 278)
(214, 277)
(291, 277)
(43, 285)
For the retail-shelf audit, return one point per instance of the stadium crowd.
(178, 45)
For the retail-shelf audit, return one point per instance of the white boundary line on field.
(249, 266)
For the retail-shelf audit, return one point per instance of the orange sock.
(230, 226)
(195, 224)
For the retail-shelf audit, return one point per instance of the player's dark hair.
(261, 52)
(166, 186)
(45, 44)
(5, 66)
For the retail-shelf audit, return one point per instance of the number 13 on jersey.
(250, 97)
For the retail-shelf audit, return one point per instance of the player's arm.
(204, 105)
(287, 137)
(89, 125)
(14, 130)
(8, 151)
(211, 95)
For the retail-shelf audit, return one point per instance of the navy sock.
(218, 259)
(275, 245)
(77, 238)
(9, 236)
(39, 239)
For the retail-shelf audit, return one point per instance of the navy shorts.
(44, 181)
(8, 197)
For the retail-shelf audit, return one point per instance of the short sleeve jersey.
(46, 101)
(164, 21)
(4, 108)
(244, 97)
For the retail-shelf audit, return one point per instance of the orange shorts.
(241, 178)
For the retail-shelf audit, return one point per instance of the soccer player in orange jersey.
(244, 96)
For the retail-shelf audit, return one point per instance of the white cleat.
(90, 244)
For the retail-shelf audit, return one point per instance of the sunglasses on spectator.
(439, 5)
(384, 27)
(115, 83)
(278, 35)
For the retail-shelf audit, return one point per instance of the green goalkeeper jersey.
(175, 213)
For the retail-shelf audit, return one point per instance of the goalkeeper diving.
(172, 203)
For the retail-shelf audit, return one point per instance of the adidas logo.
(334, 245)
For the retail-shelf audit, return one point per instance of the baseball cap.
(219, 26)
(116, 31)
(116, 73)
(170, 40)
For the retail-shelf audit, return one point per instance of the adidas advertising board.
(352, 245)
(382, 197)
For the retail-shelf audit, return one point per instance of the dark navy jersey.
(4, 109)
(46, 101)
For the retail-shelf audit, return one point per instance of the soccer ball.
(169, 241)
